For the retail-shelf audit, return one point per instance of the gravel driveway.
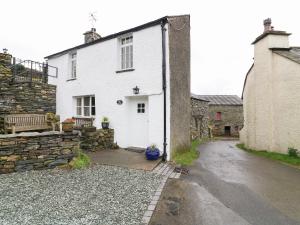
(101, 195)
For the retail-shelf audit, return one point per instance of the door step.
(135, 149)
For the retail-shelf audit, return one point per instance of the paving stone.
(151, 207)
(148, 213)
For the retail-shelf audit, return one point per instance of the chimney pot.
(267, 25)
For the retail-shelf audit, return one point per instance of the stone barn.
(225, 114)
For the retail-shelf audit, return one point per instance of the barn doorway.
(227, 131)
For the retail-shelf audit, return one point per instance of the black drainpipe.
(164, 86)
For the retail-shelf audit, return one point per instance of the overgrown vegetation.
(81, 160)
(18, 68)
(292, 160)
(186, 155)
(293, 152)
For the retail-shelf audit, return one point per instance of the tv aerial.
(93, 18)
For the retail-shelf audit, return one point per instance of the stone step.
(135, 149)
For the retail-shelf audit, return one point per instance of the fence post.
(31, 73)
(45, 71)
(14, 69)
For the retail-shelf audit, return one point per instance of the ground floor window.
(85, 106)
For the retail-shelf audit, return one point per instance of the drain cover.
(181, 170)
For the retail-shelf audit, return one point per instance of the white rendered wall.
(271, 99)
(96, 75)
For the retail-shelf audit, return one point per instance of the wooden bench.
(81, 122)
(24, 122)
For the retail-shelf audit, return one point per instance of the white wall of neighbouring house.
(271, 99)
(96, 75)
(286, 104)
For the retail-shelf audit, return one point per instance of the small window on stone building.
(218, 116)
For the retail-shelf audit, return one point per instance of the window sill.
(71, 79)
(122, 71)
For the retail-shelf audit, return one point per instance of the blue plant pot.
(152, 154)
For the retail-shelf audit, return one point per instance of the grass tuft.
(295, 161)
(81, 161)
(186, 155)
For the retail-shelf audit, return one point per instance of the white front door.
(138, 121)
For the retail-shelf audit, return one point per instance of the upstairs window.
(218, 116)
(126, 45)
(85, 106)
(73, 65)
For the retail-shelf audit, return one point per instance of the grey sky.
(221, 31)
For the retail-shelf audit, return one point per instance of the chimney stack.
(267, 25)
(91, 35)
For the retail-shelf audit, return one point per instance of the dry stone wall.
(199, 119)
(23, 97)
(36, 151)
(93, 140)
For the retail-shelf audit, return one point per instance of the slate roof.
(198, 98)
(221, 99)
(111, 36)
(292, 53)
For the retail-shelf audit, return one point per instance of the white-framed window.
(141, 108)
(73, 65)
(85, 106)
(126, 52)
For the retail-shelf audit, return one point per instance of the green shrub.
(81, 160)
(18, 68)
(105, 119)
(293, 152)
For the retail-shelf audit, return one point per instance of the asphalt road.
(229, 186)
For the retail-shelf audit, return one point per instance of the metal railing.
(81, 122)
(28, 71)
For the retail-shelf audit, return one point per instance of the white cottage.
(271, 94)
(138, 78)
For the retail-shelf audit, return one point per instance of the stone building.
(225, 114)
(271, 94)
(199, 118)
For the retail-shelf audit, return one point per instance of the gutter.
(164, 86)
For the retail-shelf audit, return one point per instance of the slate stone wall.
(5, 59)
(199, 119)
(231, 116)
(97, 139)
(36, 151)
(23, 97)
